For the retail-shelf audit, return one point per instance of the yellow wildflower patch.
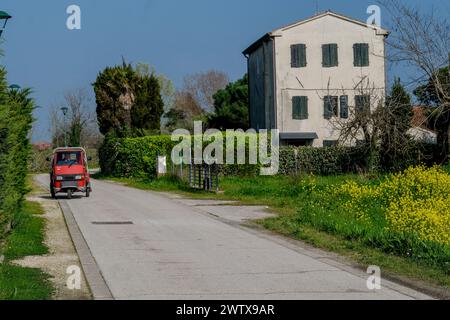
(415, 201)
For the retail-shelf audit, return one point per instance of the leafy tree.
(173, 118)
(184, 112)
(435, 94)
(148, 106)
(397, 117)
(420, 38)
(399, 101)
(231, 107)
(129, 102)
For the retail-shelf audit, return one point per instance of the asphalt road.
(151, 246)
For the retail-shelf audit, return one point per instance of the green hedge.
(136, 157)
(133, 157)
(15, 124)
(321, 161)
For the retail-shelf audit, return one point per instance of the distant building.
(420, 130)
(42, 145)
(306, 74)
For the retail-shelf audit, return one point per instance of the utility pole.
(65, 110)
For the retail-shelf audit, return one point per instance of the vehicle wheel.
(69, 194)
(88, 192)
(52, 191)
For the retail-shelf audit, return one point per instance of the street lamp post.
(65, 110)
(5, 17)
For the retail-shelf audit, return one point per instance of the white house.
(309, 73)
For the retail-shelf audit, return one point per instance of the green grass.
(28, 235)
(310, 211)
(26, 239)
(18, 283)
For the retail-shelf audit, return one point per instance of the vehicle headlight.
(78, 177)
(59, 178)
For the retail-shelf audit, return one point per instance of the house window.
(298, 55)
(361, 54)
(330, 106)
(362, 103)
(329, 55)
(329, 143)
(299, 108)
(344, 107)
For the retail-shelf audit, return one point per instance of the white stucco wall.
(318, 81)
(423, 135)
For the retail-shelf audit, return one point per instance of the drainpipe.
(249, 95)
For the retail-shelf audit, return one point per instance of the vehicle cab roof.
(57, 150)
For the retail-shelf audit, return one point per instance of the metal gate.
(204, 177)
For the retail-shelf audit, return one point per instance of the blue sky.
(176, 37)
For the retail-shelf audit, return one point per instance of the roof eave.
(255, 45)
(379, 30)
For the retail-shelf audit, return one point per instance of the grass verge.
(26, 239)
(309, 211)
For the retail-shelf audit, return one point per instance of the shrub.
(15, 124)
(133, 157)
(320, 161)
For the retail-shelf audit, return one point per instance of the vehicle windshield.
(68, 158)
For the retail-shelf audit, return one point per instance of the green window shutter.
(356, 55)
(303, 108)
(299, 108)
(335, 106)
(302, 54)
(344, 107)
(295, 108)
(358, 104)
(361, 54)
(327, 107)
(334, 55)
(298, 55)
(325, 55)
(362, 103)
(330, 106)
(330, 55)
(365, 54)
(294, 56)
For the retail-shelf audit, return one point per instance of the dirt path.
(61, 254)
